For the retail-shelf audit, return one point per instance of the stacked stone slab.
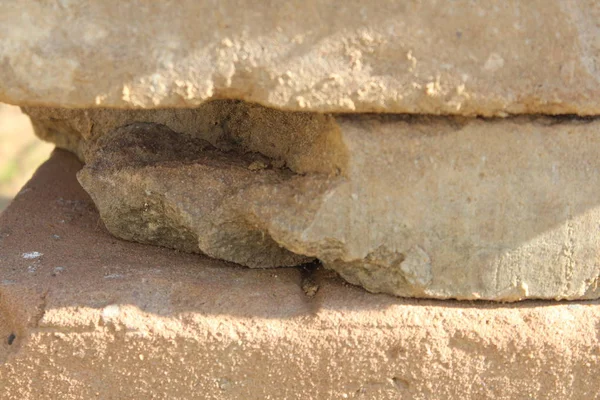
(162, 104)
(499, 209)
(424, 149)
(415, 56)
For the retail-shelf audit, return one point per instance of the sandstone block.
(499, 209)
(83, 315)
(427, 57)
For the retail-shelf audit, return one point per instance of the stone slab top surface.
(461, 57)
(85, 315)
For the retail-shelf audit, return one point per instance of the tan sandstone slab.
(460, 57)
(498, 209)
(91, 316)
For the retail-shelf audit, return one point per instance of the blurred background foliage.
(20, 152)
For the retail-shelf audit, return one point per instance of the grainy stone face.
(304, 142)
(412, 206)
(155, 186)
(428, 57)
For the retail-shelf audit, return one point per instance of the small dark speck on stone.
(11, 338)
(458, 34)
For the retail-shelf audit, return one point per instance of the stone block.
(85, 315)
(426, 57)
(500, 209)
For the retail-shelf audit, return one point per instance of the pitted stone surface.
(102, 318)
(499, 209)
(427, 57)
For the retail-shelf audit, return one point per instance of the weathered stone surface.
(426, 207)
(96, 317)
(154, 187)
(460, 57)
(304, 142)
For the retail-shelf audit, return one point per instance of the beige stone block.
(427, 57)
(90, 316)
(501, 209)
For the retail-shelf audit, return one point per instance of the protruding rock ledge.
(89, 316)
(500, 209)
(424, 57)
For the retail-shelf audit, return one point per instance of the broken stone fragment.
(423, 57)
(153, 185)
(413, 206)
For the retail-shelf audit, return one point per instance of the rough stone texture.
(427, 207)
(460, 57)
(304, 142)
(91, 316)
